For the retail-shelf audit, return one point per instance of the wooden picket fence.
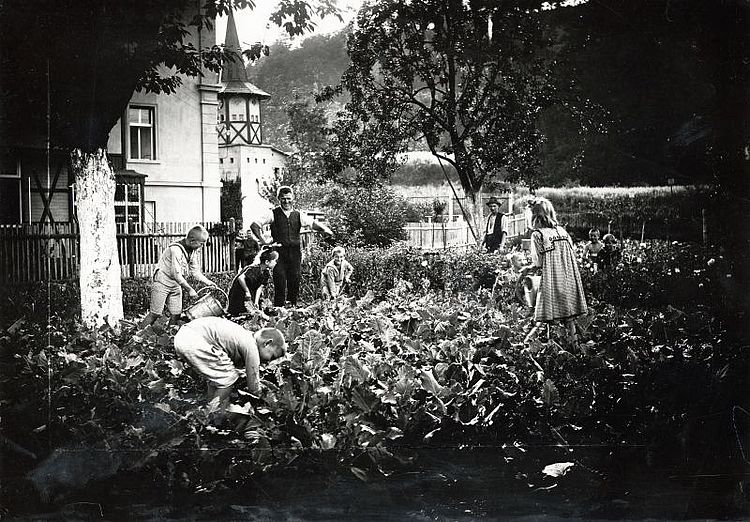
(436, 235)
(51, 251)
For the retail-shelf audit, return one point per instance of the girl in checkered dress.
(560, 296)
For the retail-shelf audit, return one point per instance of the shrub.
(62, 299)
(365, 216)
(231, 200)
(380, 270)
(416, 212)
(675, 213)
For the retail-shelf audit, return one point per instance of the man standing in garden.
(286, 224)
(496, 230)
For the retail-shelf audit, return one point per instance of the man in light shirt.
(495, 230)
(286, 224)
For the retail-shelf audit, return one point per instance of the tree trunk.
(472, 188)
(477, 215)
(101, 294)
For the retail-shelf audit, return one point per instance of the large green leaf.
(356, 370)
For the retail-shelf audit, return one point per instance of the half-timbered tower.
(243, 155)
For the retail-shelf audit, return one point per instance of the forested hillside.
(288, 73)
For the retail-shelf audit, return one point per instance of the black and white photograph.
(374, 260)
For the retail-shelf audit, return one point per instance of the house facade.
(164, 151)
(167, 155)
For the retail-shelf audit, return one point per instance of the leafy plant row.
(370, 379)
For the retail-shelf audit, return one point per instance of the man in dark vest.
(495, 228)
(286, 224)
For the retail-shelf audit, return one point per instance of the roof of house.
(233, 73)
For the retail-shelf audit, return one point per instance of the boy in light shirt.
(335, 274)
(179, 260)
(217, 348)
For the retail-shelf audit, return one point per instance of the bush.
(675, 213)
(416, 212)
(62, 299)
(231, 200)
(655, 274)
(365, 216)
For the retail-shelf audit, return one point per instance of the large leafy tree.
(674, 78)
(468, 78)
(306, 134)
(69, 68)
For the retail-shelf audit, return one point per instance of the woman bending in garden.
(560, 296)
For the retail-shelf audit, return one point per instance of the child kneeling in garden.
(335, 274)
(560, 296)
(216, 347)
(247, 287)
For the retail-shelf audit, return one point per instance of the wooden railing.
(51, 251)
(139, 251)
(517, 225)
(456, 234)
(438, 235)
(39, 252)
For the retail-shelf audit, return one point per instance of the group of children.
(551, 285)
(601, 254)
(216, 347)
(247, 287)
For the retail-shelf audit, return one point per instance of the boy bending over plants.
(217, 347)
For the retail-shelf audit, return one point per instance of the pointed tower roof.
(234, 74)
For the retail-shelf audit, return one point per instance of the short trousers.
(208, 360)
(165, 290)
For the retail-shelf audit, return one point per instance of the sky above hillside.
(253, 25)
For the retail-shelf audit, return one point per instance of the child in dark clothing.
(245, 291)
(610, 255)
(247, 247)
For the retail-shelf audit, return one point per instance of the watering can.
(207, 305)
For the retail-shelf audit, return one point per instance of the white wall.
(184, 178)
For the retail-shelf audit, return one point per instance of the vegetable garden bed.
(375, 383)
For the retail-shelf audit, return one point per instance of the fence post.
(231, 240)
(130, 245)
(643, 230)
